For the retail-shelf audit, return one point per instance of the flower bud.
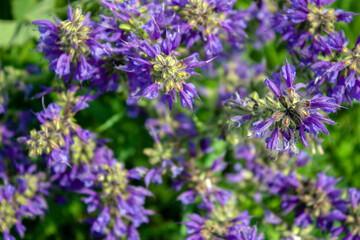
(278, 116)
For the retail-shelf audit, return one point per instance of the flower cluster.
(222, 224)
(227, 167)
(209, 20)
(80, 163)
(286, 112)
(309, 20)
(313, 203)
(204, 184)
(57, 125)
(166, 71)
(23, 200)
(343, 70)
(69, 45)
(201, 182)
(119, 203)
(22, 186)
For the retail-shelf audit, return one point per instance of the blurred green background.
(107, 116)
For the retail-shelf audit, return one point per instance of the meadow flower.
(68, 45)
(223, 223)
(204, 184)
(289, 112)
(213, 21)
(152, 49)
(22, 198)
(343, 70)
(165, 70)
(305, 20)
(120, 204)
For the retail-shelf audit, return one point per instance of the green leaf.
(44, 10)
(23, 34)
(8, 29)
(110, 122)
(20, 8)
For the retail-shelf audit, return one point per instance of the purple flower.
(343, 71)
(161, 69)
(205, 145)
(186, 100)
(273, 141)
(65, 45)
(288, 72)
(9, 191)
(261, 126)
(99, 226)
(213, 29)
(82, 102)
(84, 135)
(187, 197)
(271, 218)
(240, 120)
(84, 70)
(205, 187)
(354, 196)
(152, 28)
(213, 45)
(305, 25)
(302, 159)
(151, 91)
(63, 65)
(313, 124)
(153, 175)
(23, 199)
(227, 228)
(242, 232)
(303, 136)
(261, 13)
(194, 226)
(171, 42)
(126, 212)
(286, 113)
(51, 112)
(122, 11)
(239, 175)
(326, 104)
(59, 156)
(274, 84)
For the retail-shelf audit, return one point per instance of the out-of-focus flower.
(343, 70)
(23, 199)
(203, 184)
(212, 21)
(223, 223)
(120, 204)
(308, 20)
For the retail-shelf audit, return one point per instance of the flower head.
(213, 21)
(343, 70)
(22, 199)
(120, 204)
(69, 45)
(223, 223)
(305, 20)
(204, 185)
(165, 71)
(288, 112)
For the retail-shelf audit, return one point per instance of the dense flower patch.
(159, 58)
